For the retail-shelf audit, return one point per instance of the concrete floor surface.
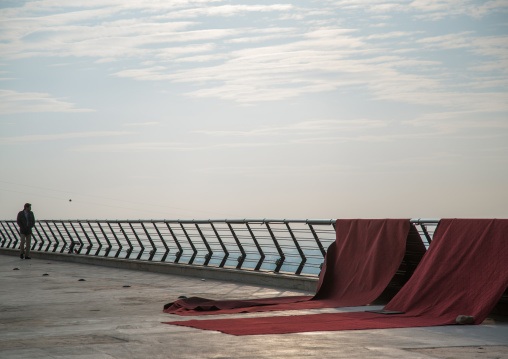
(47, 311)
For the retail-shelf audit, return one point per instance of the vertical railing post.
(258, 247)
(61, 236)
(96, 238)
(165, 255)
(129, 251)
(223, 246)
(180, 249)
(57, 243)
(241, 258)
(8, 235)
(71, 247)
(15, 234)
(208, 256)
(47, 237)
(316, 238)
(90, 243)
(4, 238)
(154, 249)
(34, 238)
(106, 238)
(116, 239)
(426, 233)
(299, 249)
(81, 243)
(141, 247)
(280, 261)
(194, 250)
(41, 244)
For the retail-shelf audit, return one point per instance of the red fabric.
(304, 323)
(358, 266)
(464, 272)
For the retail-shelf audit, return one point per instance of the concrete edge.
(269, 279)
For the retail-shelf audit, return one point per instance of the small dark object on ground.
(465, 319)
(382, 311)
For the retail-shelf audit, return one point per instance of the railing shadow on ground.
(269, 245)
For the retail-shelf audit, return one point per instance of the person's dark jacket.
(24, 226)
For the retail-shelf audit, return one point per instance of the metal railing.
(288, 246)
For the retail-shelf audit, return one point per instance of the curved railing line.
(199, 221)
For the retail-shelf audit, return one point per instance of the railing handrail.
(199, 221)
(226, 220)
(424, 221)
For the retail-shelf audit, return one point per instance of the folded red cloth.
(357, 268)
(464, 272)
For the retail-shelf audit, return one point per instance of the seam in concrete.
(269, 279)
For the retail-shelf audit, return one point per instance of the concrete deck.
(47, 312)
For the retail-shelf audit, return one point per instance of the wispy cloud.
(453, 122)
(329, 59)
(23, 102)
(59, 136)
(458, 124)
(275, 170)
(225, 11)
(289, 51)
(399, 134)
(448, 41)
(161, 146)
(142, 124)
(301, 127)
(431, 10)
(439, 159)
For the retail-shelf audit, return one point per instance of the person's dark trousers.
(24, 248)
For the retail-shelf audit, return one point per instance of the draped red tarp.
(464, 272)
(357, 268)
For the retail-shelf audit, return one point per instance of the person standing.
(26, 221)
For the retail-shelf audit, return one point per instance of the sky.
(214, 109)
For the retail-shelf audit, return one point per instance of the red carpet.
(464, 272)
(357, 268)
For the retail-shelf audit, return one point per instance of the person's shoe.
(28, 258)
(21, 256)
